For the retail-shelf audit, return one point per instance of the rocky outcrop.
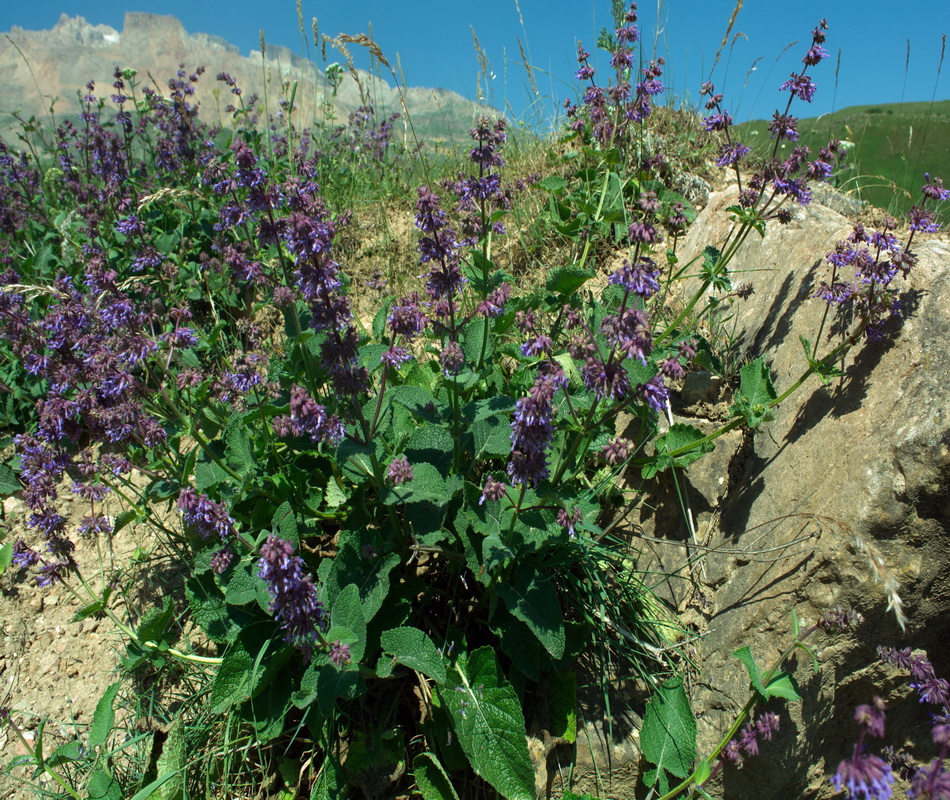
(44, 68)
(786, 517)
(859, 467)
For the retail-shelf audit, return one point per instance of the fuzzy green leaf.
(284, 525)
(414, 649)
(756, 391)
(6, 557)
(103, 719)
(172, 763)
(668, 737)
(8, 481)
(567, 280)
(432, 780)
(533, 599)
(679, 436)
(488, 723)
(347, 612)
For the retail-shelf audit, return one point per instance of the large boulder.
(843, 499)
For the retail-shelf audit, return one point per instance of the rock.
(701, 387)
(849, 484)
(867, 456)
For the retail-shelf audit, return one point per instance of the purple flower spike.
(204, 515)
(864, 776)
(400, 471)
(492, 490)
(340, 654)
(294, 600)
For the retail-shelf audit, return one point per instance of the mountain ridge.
(51, 67)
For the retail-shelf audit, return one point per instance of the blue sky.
(434, 41)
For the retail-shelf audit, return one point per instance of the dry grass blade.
(883, 576)
(365, 41)
(725, 37)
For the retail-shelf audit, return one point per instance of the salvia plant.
(390, 531)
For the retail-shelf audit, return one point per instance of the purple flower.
(293, 596)
(921, 220)
(639, 278)
(539, 345)
(129, 225)
(784, 126)
(452, 358)
(931, 782)
(864, 776)
(395, 356)
(655, 393)
(800, 86)
(871, 717)
(731, 153)
(569, 521)
(492, 490)
(585, 72)
(617, 451)
(222, 559)
(400, 471)
(643, 232)
(532, 428)
(494, 304)
(408, 317)
(204, 515)
(717, 122)
(340, 654)
(307, 418)
(934, 188)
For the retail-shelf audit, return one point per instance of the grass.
(893, 145)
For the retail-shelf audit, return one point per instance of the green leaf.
(209, 474)
(567, 280)
(427, 484)
(491, 437)
(284, 525)
(533, 599)
(238, 454)
(678, 437)
(172, 763)
(124, 519)
(356, 459)
(103, 786)
(245, 586)
(473, 337)
(379, 321)
(103, 720)
(824, 371)
(783, 685)
(488, 723)
(420, 402)
(231, 684)
(6, 557)
(347, 612)
(154, 622)
(552, 183)
(432, 780)
(744, 654)
(668, 737)
(414, 649)
(8, 481)
(90, 610)
(330, 783)
(756, 391)
(371, 355)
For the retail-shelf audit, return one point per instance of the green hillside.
(893, 145)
